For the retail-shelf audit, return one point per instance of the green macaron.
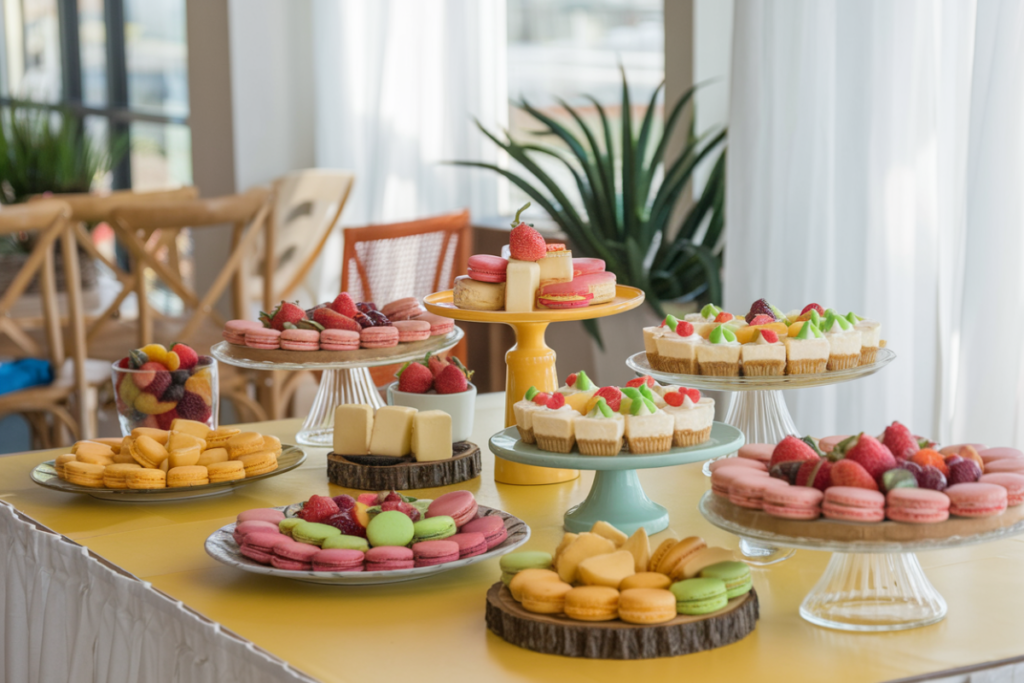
(699, 596)
(390, 528)
(286, 525)
(345, 542)
(513, 563)
(313, 533)
(735, 576)
(434, 528)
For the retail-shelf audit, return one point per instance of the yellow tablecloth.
(434, 629)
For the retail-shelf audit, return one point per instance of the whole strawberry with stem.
(871, 454)
(453, 379)
(330, 319)
(344, 304)
(286, 312)
(415, 378)
(525, 243)
(898, 439)
(791, 449)
(318, 508)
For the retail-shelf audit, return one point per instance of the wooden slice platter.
(559, 635)
(380, 473)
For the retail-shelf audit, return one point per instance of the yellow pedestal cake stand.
(532, 363)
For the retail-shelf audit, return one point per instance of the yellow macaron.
(180, 440)
(525, 576)
(148, 452)
(116, 476)
(244, 443)
(547, 597)
(271, 443)
(60, 461)
(84, 474)
(647, 605)
(94, 458)
(219, 437)
(92, 448)
(672, 563)
(213, 455)
(258, 463)
(114, 442)
(145, 478)
(189, 475)
(659, 553)
(184, 457)
(158, 435)
(592, 603)
(645, 580)
(192, 427)
(228, 470)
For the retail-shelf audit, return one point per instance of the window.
(571, 48)
(120, 66)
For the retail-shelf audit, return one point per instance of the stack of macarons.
(451, 529)
(603, 575)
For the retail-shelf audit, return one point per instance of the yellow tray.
(531, 362)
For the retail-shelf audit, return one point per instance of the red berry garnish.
(664, 321)
(571, 380)
(816, 307)
(770, 336)
(611, 395)
(674, 398)
(542, 398)
(761, 320)
(556, 401)
(318, 508)
(723, 317)
(693, 394)
(637, 381)
(684, 328)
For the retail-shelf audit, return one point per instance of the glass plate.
(638, 363)
(45, 474)
(221, 546)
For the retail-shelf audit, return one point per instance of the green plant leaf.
(607, 165)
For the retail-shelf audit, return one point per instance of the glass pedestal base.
(873, 592)
(617, 495)
(349, 385)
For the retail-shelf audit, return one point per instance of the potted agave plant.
(627, 214)
(46, 152)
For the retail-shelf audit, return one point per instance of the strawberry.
(694, 394)
(332, 320)
(451, 380)
(164, 420)
(790, 449)
(193, 407)
(684, 328)
(809, 307)
(571, 380)
(369, 499)
(542, 398)
(674, 398)
(849, 473)
(436, 364)
(344, 501)
(643, 379)
(611, 395)
(900, 441)
(525, 243)
(760, 307)
(285, 313)
(346, 521)
(723, 317)
(124, 362)
(415, 378)
(816, 474)
(154, 379)
(187, 357)
(770, 336)
(762, 320)
(318, 508)
(344, 304)
(556, 401)
(872, 455)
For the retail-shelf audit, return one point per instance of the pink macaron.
(1014, 465)
(747, 490)
(338, 560)
(261, 515)
(1001, 453)
(917, 506)
(412, 330)
(954, 449)
(829, 442)
(1012, 482)
(300, 340)
(263, 338)
(378, 337)
(850, 504)
(744, 463)
(402, 309)
(429, 553)
(487, 268)
(234, 330)
(722, 478)
(386, 558)
(243, 529)
(459, 505)
(492, 528)
(760, 452)
(793, 502)
(339, 340)
(976, 499)
(586, 266)
(469, 544)
(439, 325)
(294, 556)
(261, 546)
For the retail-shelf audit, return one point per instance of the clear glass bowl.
(153, 398)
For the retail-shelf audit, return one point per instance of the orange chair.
(382, 263)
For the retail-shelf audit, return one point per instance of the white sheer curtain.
(876, 164)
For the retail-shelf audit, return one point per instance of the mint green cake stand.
(616, 496)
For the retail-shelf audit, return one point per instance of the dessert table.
(433, 629)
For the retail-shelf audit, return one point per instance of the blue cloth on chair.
(25, 373)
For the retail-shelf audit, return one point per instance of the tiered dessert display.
(603, 595)
(377, 538)
(874, 503)
(757, 356)
(582, 426)
(343, 338)
(540, 284)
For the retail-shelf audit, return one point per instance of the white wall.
(712, 61)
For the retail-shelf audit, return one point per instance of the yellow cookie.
(193, 475)
(244, 444)
(583, 546)
(148, 452)
(258, 463)
(218, 438)
(607, 570)
(158, 435)
(116, 476)
(144, 478)
(84, 474)
(213, 455)
(192, 427)
(184, 457)
(515, 586)
(61, 461)
(592, 603)
(227, 470)
(545, 596)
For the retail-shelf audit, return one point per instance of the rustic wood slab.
(379, 473)
(560, 635)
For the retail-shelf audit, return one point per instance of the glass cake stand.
(616, 495)
(346, 380)
(758, 408)
(531, 363)
(871, 585)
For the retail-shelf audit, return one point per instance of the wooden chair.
(75, 379)
(381, 263)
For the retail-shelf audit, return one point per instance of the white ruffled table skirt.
(70, 616)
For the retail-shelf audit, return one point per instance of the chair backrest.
(92, 207)
(306, 206)
(382, 263)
